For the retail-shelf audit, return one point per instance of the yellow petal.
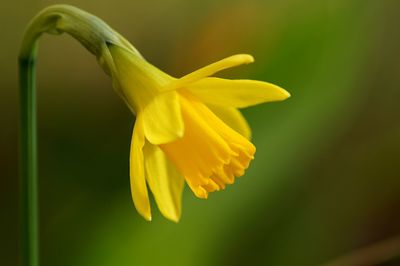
(211, 69)
(233, 118)
(163, 119)
(164, 181)
(138, 182)
(236, 93)
(134, 78)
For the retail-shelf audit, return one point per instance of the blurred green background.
(326, 178)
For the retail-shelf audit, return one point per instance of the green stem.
(28, 163)
(95, 35)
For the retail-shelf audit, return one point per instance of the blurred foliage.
(325, 180)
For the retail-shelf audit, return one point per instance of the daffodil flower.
(187, 129)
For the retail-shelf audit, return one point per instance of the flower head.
(186, 129)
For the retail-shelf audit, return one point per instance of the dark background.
(326, 178)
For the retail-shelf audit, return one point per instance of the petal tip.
(246, 58)
(286, 94)
(174, 218)
(173, 214)
(181, 132)
(282, 94)
(146, 216)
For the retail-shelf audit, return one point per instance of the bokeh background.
(326, 179)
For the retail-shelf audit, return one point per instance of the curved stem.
(95, 35)
(90, 32)
(28, 163)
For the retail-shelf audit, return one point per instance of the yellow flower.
(186, 129)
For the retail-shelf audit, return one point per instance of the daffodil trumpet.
(187, 130)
